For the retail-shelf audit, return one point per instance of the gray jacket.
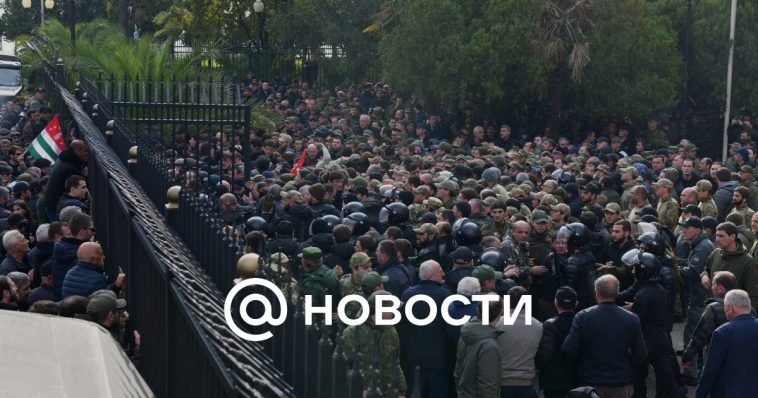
(518, 346)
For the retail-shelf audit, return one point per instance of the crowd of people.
(616, 234)
(51, 263)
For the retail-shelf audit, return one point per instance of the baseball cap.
(539, 216)
(566, 296)
(311, 253)
(426, 228)
(486, 272)
(692, 222)
(591, 187)
(462, 255)
(371, 280)
(449, 185)
(664, 182)
(103, 303)
(747, 169)
(703, 185)
(359, 259)
(613, 208)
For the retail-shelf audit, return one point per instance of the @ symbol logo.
(266, 318)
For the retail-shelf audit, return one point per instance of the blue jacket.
(723, 199)
(400, 277)
(64, 258)
(427, 346)
(730, 369)
(83, 280)
(607, 341)
(458, 310)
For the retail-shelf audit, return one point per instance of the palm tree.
(562, 43)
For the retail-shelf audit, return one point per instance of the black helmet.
(394, 214)
(468, 233)
(256, 224)
(647, 268)
(653, 243)
(576, 235)
(324, 225)
(332, 221)
(493, 258)
(353, 207)
(359, 221)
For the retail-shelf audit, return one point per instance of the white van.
(10, 77)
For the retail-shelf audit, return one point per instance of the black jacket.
(42, 252)
(400, 277)
(300, 216)
(340, 254)
(579, 274)
(427, 346)
(608, 343)
(653, 316)
(713, 316)
(68, 164)
(557, 370)
(289, 247)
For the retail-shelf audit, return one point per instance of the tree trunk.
(556, 100)
(123, 17)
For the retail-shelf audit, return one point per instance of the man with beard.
(740, 197)
(621, 242)
(8, 294)
(426, 241)
(731, 256)
(106, 312)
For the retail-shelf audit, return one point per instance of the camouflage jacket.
(368, 347)
(318, 283)
(708, 208)
(347, 287)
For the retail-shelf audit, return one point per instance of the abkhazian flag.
(49, 143)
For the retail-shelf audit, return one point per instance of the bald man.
(516, 251)
(88, 275)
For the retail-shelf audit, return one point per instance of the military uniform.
(480, 219)
(746, 212)
(518, 255)
(374, 351)
(318, 282)
(495, 228)
(708, 208)
(668, 213)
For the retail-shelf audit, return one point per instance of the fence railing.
(186, 348)
(310, 358)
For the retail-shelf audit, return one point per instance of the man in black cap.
(463, 266)
(105, 310)
(695, 294)
(589, 193)
(45, 290)
(557, 370)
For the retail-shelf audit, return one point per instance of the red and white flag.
(49, 143)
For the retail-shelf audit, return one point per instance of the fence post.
(60, 73)
(172, 207)
(95, 110)
(109, 131)
(132, 163)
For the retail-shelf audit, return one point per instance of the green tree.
(636, 67)
(459, 52)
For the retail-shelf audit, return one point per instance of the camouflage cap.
(664, 182)
(690, 147)
(747, 169)
(449, 185)
(613, 208)
(548, 200)
(673, 149)
(277, 263)
(631, 170)
(703, 185)
(359, 259)
(426, 228)
(294, 196)
(562, 207)
(433, 203)
(371, 280)
(311, 253)
(423, 190)
(490, 200)
(604, 168)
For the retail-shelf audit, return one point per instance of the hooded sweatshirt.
(477, 368)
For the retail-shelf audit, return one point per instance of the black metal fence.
(186, 348)
(309, 358)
